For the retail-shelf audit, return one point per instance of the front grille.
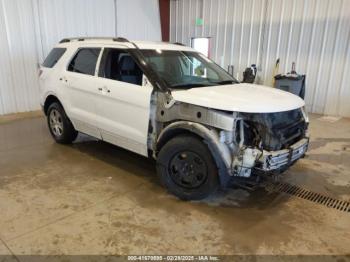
(277, 160)
(276, 131)
(289, 134)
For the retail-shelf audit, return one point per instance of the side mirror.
(145, 81)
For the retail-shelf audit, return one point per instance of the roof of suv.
(122, 41)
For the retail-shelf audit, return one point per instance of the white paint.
(248, 98)
(119, 112)
(315, 34)
(140, 44)
(123, 114)
(114, 111)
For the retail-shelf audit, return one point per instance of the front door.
(123, 103)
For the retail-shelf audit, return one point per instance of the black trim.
(49, 61)
(120, 39)
(64, 41)
(139, 58)
(116, 39)
(75, 55)
(178, 43)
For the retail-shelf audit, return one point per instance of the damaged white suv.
(170, 102)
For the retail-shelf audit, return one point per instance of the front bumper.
(272, 160)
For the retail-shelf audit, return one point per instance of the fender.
(219, 151)
(44, 97)
(47, 95)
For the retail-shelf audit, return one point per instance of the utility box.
(292, 83)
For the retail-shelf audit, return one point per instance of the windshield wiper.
(190, 85)
(225, 82)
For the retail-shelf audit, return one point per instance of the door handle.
(104, 88)
(63, 79)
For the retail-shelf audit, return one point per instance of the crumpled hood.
(249, 98)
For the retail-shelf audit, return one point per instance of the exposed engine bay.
(273, 131)
(243, 144)
(270, 137)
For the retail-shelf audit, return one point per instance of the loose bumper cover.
(272, 160)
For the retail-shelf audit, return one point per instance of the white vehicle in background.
(170, 102)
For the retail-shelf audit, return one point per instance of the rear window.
(84, 61)
(53, 57)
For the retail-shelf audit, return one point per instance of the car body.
(142, 95)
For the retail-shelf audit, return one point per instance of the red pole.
(164, 11)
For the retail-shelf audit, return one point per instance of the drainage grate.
(309, 195)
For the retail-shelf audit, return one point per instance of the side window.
(84, 61)
(118, 64)
(53, 57)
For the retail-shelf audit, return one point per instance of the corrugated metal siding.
(58, 19)
(138, 19)
(315, 34)
(29, 29)
(18, 82)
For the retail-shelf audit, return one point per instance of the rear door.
(123, 102)
(81, 82)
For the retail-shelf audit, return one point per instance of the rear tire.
(187, 169)
(61, 128)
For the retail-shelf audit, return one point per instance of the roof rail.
(178, 43)
(65, 40)
(117, 39)
(121, 39)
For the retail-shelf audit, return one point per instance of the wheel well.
(220, 156)
(173, 133)
(49, 100)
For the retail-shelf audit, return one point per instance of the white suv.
(170, 102)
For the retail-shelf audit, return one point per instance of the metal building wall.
(30, 28)
(18, 82)
(138, 19)
(57, 19)
(315, 34)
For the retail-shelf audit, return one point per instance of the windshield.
(182, 69)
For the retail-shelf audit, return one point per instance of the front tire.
(59, 124)
(187, 169)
